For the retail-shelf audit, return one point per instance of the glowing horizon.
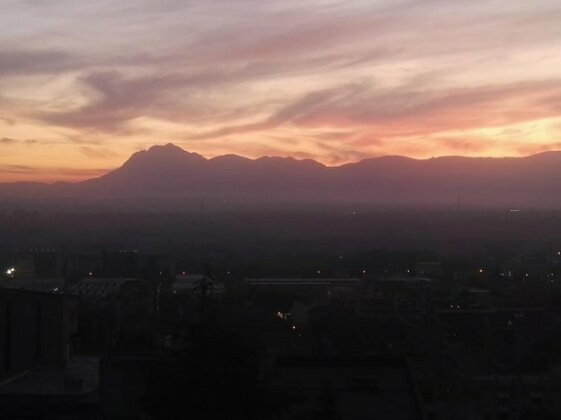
(85, 85)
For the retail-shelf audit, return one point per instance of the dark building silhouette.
(36, 329)
(39, 263)
(121, 263)
(39, 377)
(83, 265)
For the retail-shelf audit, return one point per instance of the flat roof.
(301, 281)
(79, 376)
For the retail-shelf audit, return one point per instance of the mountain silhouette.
(171, 174)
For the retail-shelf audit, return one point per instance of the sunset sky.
(84, 84)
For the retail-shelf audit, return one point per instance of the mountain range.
(173, 177)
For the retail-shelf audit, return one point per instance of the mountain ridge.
(238, 158)
(168, 172)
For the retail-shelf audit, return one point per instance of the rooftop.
(79, 376)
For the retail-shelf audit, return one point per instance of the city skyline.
(83, 86)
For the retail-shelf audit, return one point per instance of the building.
(120, 264)
(108, 306)
(35, 285)
(39, 263)
(297, 283)
(39, 377)
(195, 283)
(353, 388)
(428, 268)
(321, 287)
(83, 265)
(36, 330)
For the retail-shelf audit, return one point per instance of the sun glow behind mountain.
(85, 84)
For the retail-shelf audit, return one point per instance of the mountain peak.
(170, 149)
(163, 153)
(160, 161)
